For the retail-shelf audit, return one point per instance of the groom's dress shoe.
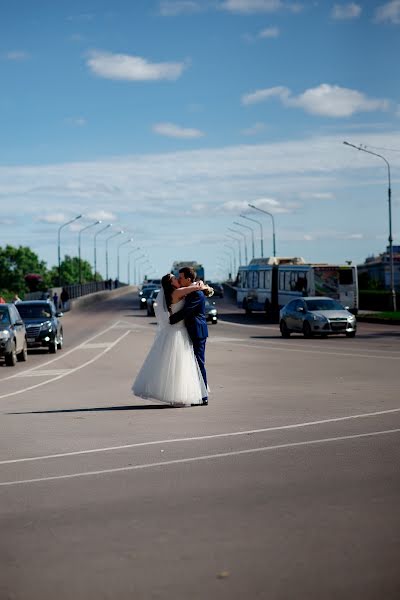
(205, 401)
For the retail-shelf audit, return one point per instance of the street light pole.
(232, 249)
(95, 249)
(244, 243)
(252, 234)
(107, 240)
(123, 244)
(129, 264)
(59, 244)
(230, 259)
(135, 261)
(392, 287)
(239, 246)
(79, 246)
(261, 232)
(273, 226)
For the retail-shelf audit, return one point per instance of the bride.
(170, 372)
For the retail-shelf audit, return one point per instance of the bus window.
(345, 276)
(281, 281)
(267, 281)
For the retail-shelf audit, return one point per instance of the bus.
(267, 284)
(198, 268)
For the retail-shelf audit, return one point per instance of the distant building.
(376, 270)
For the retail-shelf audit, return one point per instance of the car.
(13, 344)
(316, 315)
(211, 312)
(43, 325)
(151, 302)
(218, 289)
(144, 294)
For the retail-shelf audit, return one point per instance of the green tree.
(70, 271)
(15, 263)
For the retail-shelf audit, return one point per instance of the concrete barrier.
(89, 299)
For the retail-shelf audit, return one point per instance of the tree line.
(17, 264)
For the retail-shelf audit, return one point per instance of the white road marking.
(205, 437)
(89, 362)
(51, 372)
(65, 352)
(95, 346)
(320, 351)
(201, 458)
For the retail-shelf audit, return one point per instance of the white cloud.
(389, 12)
(269, 32)
(325, 100)
(102, 215)
(346, 11)
(76, 121)
(54, 218)
(261, 95)
(131, 68)
(317, 195)
(171, 8)
(16, 55)
(254, 129)
(259, 6)
(175, 131)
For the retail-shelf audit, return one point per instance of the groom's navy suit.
(194, 315)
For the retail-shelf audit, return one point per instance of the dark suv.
(43, 326)
(12, 335)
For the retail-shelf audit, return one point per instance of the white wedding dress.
(170, 372)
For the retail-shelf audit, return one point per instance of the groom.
(194, 315)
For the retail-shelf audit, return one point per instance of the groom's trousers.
(199, 347)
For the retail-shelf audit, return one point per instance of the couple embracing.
(174, 370)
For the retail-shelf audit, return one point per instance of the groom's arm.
(193, 305)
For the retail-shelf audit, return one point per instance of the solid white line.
(321, 352)
(204, 437)
(200, 458)
(89, 362)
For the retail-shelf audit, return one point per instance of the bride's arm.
(180, 293)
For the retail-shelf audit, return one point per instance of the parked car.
(316, 316)
(218, 289)
(13, 345)
(43, 325)
(144, 294)
(211, 312)
(151, 302)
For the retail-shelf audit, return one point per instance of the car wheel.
(60, 341)
(215, 322)
(351, 334)
(247, 308)
(23, 355)
(285, 332)
(307, 331)
(11, 357)
(53, 347)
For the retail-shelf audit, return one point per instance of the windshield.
(323, 304)
(34, 311)
(4, 316)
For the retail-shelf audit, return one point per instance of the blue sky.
(167, 118)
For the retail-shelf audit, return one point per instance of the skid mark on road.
(205, 457)
(379, 413)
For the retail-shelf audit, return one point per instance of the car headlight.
(142, 299)
(47, 326)
(155, 304)
(319, 318)
(213, 311)
(4, 335)
(351, 318)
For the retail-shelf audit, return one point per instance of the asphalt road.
(285, 486)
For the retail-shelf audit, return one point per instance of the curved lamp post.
(79, 246)
(239, 246)
(129, 264)
(273, 226)
(261, 232)
(252, 234)
(120, 246)
(233, 256)
(392, 287)
(59, 244)
(135, 262)
(95, 248)
(244, 243)
(107, 240)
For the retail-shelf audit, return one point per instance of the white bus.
(267, 284)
